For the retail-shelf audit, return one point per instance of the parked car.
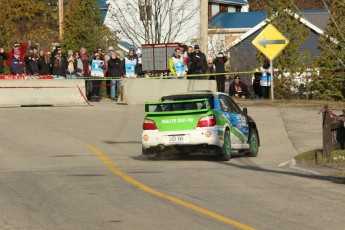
(198, 122)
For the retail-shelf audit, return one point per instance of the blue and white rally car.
(198, 122)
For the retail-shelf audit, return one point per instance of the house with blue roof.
(190, 31)
(233, 33)
(103, 6)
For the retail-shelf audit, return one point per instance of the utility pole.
(60, 3)
(204, 26)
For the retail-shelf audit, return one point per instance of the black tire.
(253, 144)
(224, 153)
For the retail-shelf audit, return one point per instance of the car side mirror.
(245, 111)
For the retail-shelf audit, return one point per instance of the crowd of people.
(186, 61)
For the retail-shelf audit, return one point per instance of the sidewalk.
(304, 128)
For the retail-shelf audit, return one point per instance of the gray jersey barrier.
(44, 92)
(141, 90)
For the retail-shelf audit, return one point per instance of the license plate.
(176, 139)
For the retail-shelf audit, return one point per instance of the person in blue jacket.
(97, 71)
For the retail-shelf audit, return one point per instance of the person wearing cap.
(22, 47)
(16, 64)
(176, 64)
(238, 89)
(198, 63)
(129, 65)
(70, 65)
(219, 63)
(31, 59)
(3, 57)
(184, 55)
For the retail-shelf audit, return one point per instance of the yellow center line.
(129, 179)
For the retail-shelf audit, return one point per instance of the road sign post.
(270, 42)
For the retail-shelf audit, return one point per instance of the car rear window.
(189, 97)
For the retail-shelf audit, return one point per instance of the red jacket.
(22, 52)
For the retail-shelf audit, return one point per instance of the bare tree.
(155, 21)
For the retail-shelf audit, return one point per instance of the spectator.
(78, 65)
(102, 56)
(85, 59)
(340, 135)
(184, 55)
(198, 63)
(3, 56)
(42, 62)
(210, 69)
(70, 65)
(114, 71)
(176, 64)
(189, 56)
(58, 62)
(129, 65)
(238, 89)
(219, 62)
(108, 82)
(16, 64)
(17, 46)
(266, 78)
(257, 86)
(31, 59)
(140, 63)
(97, 68)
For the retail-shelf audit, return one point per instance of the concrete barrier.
(64, 92)
(139, 91)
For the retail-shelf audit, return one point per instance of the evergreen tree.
(83, 28)
(25, 20)
(332, 61)
(332, 45)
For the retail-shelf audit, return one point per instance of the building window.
(231, 9)
(214, 9)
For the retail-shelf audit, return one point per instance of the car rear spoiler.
(177, 107)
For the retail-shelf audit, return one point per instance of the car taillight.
(149, 124)
(207, 121)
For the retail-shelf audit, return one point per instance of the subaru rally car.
(198, 122)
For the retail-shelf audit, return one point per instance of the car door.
(240, 130)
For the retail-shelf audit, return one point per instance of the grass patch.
(315, 156)
(290, 103)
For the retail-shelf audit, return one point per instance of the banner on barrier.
(22, 77)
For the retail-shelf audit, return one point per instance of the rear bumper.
(199, 136)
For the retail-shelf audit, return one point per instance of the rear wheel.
(225, 151)
(253, 144)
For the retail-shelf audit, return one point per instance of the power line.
(336, 25)
(339, 59)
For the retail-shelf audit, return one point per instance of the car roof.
(206, 93)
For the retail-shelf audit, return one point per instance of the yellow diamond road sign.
(270, 42)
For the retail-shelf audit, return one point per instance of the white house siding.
(189, 31)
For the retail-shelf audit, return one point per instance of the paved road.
(81, 168)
